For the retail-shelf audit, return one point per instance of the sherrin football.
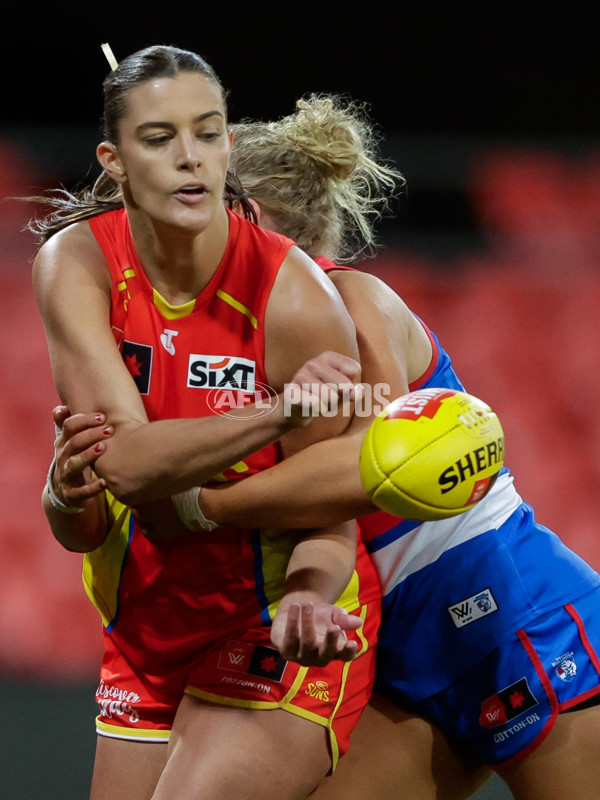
(431, 454)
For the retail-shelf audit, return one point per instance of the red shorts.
(244, 671)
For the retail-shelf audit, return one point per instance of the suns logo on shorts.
(318, 690)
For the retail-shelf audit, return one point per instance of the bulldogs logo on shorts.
(565, 667)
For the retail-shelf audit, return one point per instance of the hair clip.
(110, 57)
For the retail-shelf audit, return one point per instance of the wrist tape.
(188, 508)
(56, 503)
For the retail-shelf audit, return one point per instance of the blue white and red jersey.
(462, 596)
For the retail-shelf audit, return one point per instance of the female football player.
(489, 632)
(160, 304)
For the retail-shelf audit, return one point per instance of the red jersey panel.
(163, 602)
(185, 359)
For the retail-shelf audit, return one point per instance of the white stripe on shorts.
(424, 545)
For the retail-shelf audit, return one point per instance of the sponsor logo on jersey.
(474, 607)
(565, 667)
(508, 703)
(260, 660)
(221, 372)
(166, 339)
(138, 360)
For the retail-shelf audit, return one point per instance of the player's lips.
(191, 193)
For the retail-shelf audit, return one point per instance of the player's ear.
(109, 160)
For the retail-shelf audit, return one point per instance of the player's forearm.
(321, 564)
(317, 486)
(79, 533)
(155, 460)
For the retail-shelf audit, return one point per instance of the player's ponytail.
(318, 175)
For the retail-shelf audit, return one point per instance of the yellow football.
(432, 454)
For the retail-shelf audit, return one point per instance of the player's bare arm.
(73, 292)
(321, 484)
(312, 319)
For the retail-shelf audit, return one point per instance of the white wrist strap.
(188, 508)
(56, 503)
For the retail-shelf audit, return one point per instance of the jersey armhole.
(435, 355)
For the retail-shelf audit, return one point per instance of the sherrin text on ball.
(432, 454)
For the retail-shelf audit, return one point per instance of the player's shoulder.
(300, 277)
(361, 278)
(304, 299)
(370, 291)
(70, 247)
(69, 240)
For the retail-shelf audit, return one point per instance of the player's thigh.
(242, 753)
(566, 763)
(126, 770)
(394, 754)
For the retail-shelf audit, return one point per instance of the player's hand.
(313, 634)
(321, 386)
(80, 440)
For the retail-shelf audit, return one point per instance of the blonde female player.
(511, 684)
(198, 298)
(337, 136)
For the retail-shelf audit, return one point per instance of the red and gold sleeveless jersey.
(176, 596)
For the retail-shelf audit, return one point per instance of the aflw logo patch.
(221, 372)
(266, 662)
(507, 704)
(474, 607)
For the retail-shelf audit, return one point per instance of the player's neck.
(180, 264)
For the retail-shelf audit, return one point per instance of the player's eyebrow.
(164, 124)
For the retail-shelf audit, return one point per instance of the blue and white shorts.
(507, 704)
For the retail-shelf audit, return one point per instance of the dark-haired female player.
(153, 294)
